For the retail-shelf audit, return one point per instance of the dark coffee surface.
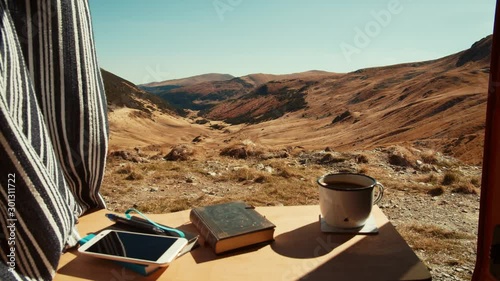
(344, 185)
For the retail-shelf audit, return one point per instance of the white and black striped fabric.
(53, 132)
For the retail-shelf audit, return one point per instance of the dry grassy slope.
(130, 130)
(435, 104)
(138, 119)
(122, 93)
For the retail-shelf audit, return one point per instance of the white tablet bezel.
(164, 259)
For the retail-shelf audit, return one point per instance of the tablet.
(134, 247)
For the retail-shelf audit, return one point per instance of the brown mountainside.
(258, 79)
(207, 94)
(122, 93)
(437, 104)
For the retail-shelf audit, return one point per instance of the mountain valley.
(418, 128)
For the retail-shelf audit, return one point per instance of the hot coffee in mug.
(346, 199)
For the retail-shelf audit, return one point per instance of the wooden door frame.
(489, 214)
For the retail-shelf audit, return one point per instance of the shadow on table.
(308, 242)
(386, 256)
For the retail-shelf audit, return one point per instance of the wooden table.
(300, 251)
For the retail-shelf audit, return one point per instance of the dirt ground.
(433, 200)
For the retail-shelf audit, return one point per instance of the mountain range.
(438, 104)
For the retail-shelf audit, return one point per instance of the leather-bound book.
(230, 226)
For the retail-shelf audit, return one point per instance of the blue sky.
(155, 40)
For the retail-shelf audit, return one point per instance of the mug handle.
(380, 193)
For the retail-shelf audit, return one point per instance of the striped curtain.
(53, 132)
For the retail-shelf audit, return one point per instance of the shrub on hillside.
(217, 126)
(476, 181)
(346, 115)
(243, 150)
(141, 114)
(400, 156)
(362, 159)
(466, 188)
(201, 121)
(126, 169)
(430, 157)
(134, 176)
(450, 178)
(436, 191)
(179, 153)
(240, 152)
(155, 157)
(120, 154)
(332, 158)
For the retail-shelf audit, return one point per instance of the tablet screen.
(132, 245)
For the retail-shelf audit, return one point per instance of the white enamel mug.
(346, 199)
